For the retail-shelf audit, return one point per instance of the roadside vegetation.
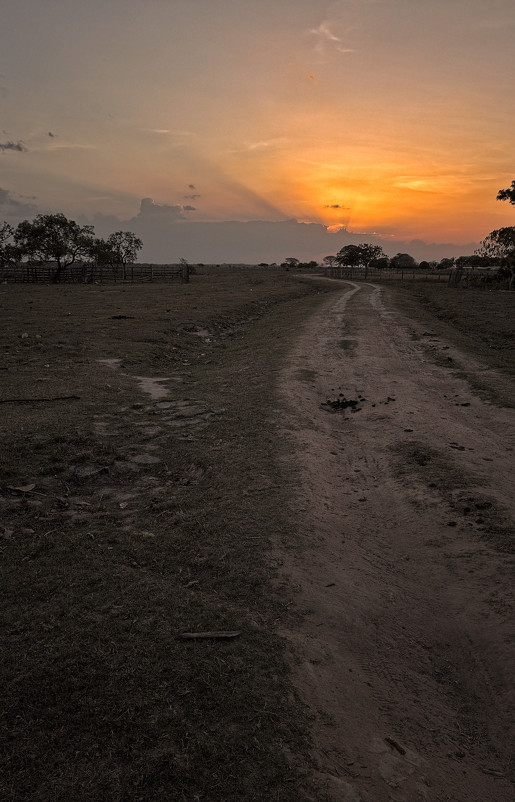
(127, 521)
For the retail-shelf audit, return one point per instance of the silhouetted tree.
(125, 247)
(402, 261)
(359, 255)
(508, 257)
(381, 263)
(475, 260)
(507, 194)
(329, 260)
(54, 238)
(501, 244)
(6, 234)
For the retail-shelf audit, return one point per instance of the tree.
(329, 260)
(9, 253)
(403, 261)
(290, 261)
(500, 244)
(359, 255)
(6, 233)
(381, 263)
(507, 194)
(54, 238)
(125, 247)
(509, 255)
(475, 260)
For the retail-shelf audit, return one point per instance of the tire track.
(403, 643)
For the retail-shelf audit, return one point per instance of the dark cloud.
(150, 211)
(191, 186)
(168, 234)
(192, 197)
(14, 208)
(19, 146)
(335, 206)
(189, 208)
(51, 134)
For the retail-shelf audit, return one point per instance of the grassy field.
(137, 520)
(127, 520)
(480, 323)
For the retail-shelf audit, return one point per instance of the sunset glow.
(379, 116)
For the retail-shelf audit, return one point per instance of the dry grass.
(481, 323)
(111, 555)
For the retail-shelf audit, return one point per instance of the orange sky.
(385, 116)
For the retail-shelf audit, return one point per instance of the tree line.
(496, 250)
(53, 238)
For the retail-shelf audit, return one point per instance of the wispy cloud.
(19, 146)
(169, 132)
(12, 207)
(327, 39)
(263, 145)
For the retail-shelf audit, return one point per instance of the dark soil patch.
(125, 522)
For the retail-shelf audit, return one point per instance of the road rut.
(403, 572)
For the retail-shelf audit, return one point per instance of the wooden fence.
(470, 277)
(87, 273)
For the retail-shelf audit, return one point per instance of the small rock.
(89, 469)
(145, 459)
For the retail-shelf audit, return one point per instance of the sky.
(382, 120)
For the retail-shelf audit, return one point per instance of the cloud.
(262, 145)
(191, 186)
(11, 207)
(150, 211)
(189, 208)
(326, 38)
(192, 197)
(19, 146)
(168, 234)
(335, 206)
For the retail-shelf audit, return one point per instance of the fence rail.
(469, 277)
(86, 273)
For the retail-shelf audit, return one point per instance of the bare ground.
(142, 486)
(405, 512)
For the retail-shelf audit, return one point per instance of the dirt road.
(404, 507)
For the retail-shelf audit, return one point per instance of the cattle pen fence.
(482, 278)
(91, 273)
(139, 273)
